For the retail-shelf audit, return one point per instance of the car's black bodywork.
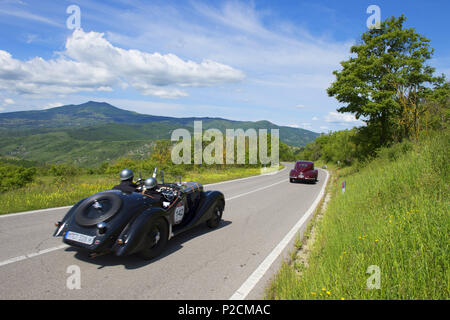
(127, 223)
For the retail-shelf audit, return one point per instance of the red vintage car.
(303, 171)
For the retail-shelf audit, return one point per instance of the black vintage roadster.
(135, 223)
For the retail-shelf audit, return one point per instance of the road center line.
(31, 255)
(6, 215)
(256, 190)
(34, 254)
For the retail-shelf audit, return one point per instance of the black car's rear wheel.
(156, 239)
(217, 216)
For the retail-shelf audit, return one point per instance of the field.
(393, 218)
(49, 191)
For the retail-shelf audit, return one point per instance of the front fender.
(206, 207)
(133, 235)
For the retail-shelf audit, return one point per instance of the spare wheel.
(97, 208)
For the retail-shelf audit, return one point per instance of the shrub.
(62, 170)
(13, 177)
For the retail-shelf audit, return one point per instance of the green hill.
(90, 133)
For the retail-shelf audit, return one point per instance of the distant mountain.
(86, 114)
(96, 131)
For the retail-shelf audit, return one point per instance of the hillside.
(394, 216)
(93, 132)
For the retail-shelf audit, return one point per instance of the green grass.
(395, 215)
(48, 192)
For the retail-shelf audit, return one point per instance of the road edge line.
(253, 279)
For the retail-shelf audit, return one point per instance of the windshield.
(302, 165)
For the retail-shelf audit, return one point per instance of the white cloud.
(315, 118)
(60, 76)
(8, 101)
(306, 125)
(236, 33)
(52, 105)
(21, 14)
(293, 125)
(342, 119)
(91, 63)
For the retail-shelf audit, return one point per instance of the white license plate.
(78, 237)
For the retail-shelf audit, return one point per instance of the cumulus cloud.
(60, 76)
(342, 119)
(92, 63)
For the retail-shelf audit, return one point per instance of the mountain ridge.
(92, 132)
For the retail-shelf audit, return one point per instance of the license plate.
(78, 237)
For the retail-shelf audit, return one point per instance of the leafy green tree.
(14, 177)
(437, 109)
(385, 80)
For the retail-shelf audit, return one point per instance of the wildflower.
(313, 293)
(342, 298)
(328, 292)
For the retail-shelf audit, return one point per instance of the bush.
(62, 170)
(13, 177)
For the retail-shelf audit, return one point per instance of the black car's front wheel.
(156, 239)
(214, 221)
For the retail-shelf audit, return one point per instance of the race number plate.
(78, 237)
(179, 213)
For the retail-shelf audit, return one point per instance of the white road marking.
(247, 178)
(254, 278)
(33, 211)
(67, 207)
(30, 255)
(256, 190)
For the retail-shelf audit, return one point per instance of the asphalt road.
(242, 254)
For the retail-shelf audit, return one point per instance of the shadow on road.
(305, 182)
(135, 262)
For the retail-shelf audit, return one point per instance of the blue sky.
(242, 60)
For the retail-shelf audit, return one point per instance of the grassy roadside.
(48, 192)
(393, 215)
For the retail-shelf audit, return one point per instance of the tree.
(386, 79)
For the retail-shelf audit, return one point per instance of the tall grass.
(394, 215)
(49, 192)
